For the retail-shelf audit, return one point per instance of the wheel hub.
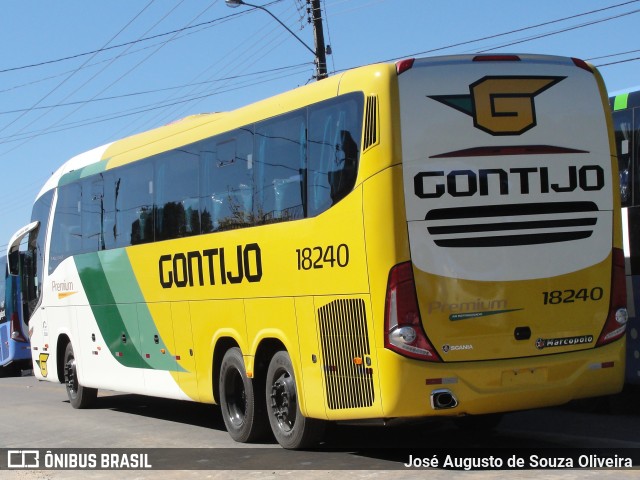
(283, 401)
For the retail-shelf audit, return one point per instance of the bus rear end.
(514, 294)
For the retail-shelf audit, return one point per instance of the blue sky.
(218, 58)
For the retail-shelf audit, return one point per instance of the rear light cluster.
(403, 327)
(404, 65)
(496, 58)
(16, 328)
(582, 64)
(616, 324)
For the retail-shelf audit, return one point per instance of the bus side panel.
(184, 349)
(211, 321)
(96, 365)
(310, 359)
(275, 318)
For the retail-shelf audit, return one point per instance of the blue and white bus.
(15, 354)
(626, 119)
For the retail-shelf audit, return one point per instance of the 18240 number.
(320, 257)
(554, 297)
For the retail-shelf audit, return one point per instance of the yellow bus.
(433, 237)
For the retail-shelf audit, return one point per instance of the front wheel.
(79, 396)
(291, 429)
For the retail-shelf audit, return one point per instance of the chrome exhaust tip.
(443, 399)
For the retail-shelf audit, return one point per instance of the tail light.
(404, 65)
(403, 327)
(16, 328)
(582, 64)
(496, 58)
(616, 324)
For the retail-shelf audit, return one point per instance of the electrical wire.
(510, 32)
(76, 70)
(133, 42)
(86, 122)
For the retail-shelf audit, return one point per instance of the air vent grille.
(345, 350)
(371, 123)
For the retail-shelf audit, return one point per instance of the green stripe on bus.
(119, 308)
(621, 101)
(87, 171)
(120, 340)
(125, 289)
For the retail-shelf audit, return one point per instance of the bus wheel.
(291, 429)
(243, 416)
(79, 396)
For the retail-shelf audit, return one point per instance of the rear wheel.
(79, 396)
(291, 429)
(243, 416)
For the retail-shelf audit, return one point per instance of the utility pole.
(318, 35)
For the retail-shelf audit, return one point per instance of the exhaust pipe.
(443, 399)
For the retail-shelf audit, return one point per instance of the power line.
(95, 75)
(86, 122)
(158, 90)
(133, 42)
(575, 27)
(72, 73)
(510, 32)
(613, 55)
(124, 54)
(619, 61)
(233, 61)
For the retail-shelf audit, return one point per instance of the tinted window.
(128, 199)
(288, 167)
(177, 210)
(66, 235)
(623, 121)
(92, 214)
(40, 213)
(280, 157)
(334, 144)
(227, 181)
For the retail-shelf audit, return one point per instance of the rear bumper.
(406, 386)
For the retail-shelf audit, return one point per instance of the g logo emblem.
(501, 105)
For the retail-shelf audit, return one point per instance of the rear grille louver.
(511, 225)
(370, 123)
(345, 351)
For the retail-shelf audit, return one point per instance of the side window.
(281, 147)
(92, 214)
(66, 236)
(335, 129)
(128, 201)
(227, 170)
(623, 122)
(176, 188)
(33, 283)
(635, 148)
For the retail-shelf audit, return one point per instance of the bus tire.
(79, 396)
(243, 416)
(291, 429)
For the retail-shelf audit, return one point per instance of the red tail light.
(496, 58)
(403, 327)
(582, 64)
(404, 65)
(616, 324)
(16, 328)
